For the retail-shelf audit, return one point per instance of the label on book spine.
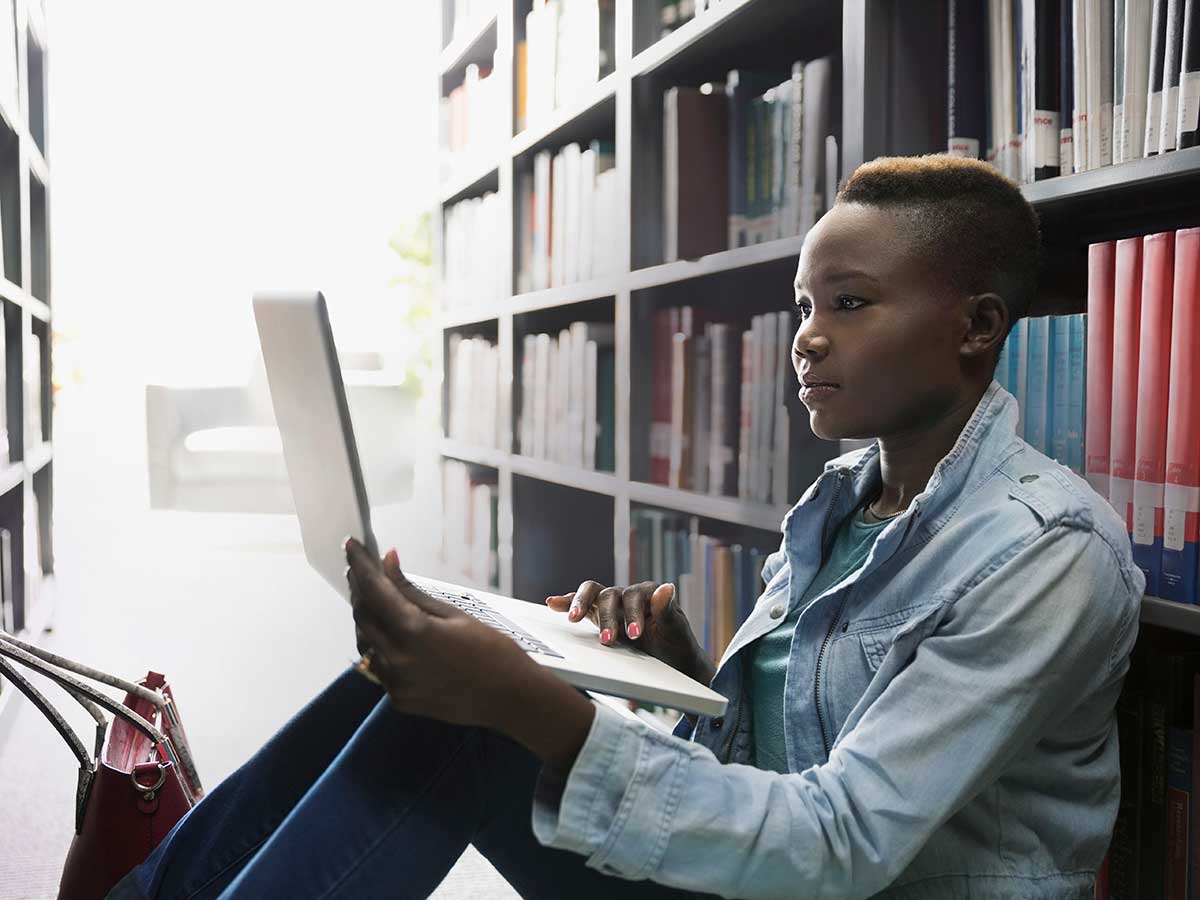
(963, 146)
(1106, 133)
(1189, 101)
(1045, 141)
(1166, 131)
(1066, 151)
(1153, 111)
(1118, 128)
(1174, 521)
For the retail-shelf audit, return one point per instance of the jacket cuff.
(595, 812)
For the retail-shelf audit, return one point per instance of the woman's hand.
(434, 660)
(645, 615)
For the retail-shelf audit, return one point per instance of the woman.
(921, 703)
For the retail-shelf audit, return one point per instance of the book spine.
(1060, 387)
(1188, 121)
(1168, 126)
(1044, 135)
(1194, 813)
(1002, 367)
(1077, 391)
(1127, 318)
(1153, 835)
(1080, 81)
(744, 406)
(1154, 360)
(1158, 47)
(1118, 80)
(1125, 851)
(1179, 806)
(1096, 68)
(1181, 494)
(1066, 88)
(1020, 369)
(1038, 385)
(1107, 45)
(1101, 280)
(661, 368)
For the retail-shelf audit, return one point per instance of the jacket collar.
(988, 438)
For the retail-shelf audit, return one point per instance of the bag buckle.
(149, 792)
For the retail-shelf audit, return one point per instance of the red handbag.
(134, 787)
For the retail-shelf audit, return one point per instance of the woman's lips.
(816, 392)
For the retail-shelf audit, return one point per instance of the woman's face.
(877, 349)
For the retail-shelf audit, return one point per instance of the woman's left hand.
(432, 658)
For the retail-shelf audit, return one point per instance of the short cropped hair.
(972, 222)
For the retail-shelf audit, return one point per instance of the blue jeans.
(353, 799)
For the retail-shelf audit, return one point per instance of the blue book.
(741, 86)
(1002, 372)
(1060, 386)
(1018, 368)
(1077, 392)
(1037, 384)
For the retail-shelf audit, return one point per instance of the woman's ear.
(987, 325)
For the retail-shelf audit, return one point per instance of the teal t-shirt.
(769, 654)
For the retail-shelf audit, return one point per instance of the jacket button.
(717, 723)
(777, 611)
(845, 627)
(1025, 479)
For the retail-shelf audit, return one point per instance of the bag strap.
(78, 687)
(87, 768)
(70, 665)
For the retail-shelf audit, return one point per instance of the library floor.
(223, 604)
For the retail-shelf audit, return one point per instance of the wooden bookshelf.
(26, 477)
(626, 107)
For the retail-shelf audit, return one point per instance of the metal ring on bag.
(149, 792)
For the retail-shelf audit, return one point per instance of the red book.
(1153, 390)
(1181, 495)
(1101, 278)
(1127, 315)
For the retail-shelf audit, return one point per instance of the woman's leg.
(219, 835)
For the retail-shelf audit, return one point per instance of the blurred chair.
(216, 449)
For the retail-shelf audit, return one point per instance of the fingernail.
(672, 587)
(606, 636)
(574, 613)
(346, 572)
(634, 631)
(346, 543)
(392, 558)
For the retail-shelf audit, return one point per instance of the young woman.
(921, 703)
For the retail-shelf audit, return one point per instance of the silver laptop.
(331, 503)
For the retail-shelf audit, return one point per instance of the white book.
(1118, 123)
(670, 199)
(1094, 70)
(1104, 66)
(1172, 59)
(1011, 158)
(528, 354)
(587, 213)
(1080, 128)
(591, 410)
(996, 70)
(702, 413)
(562, 396)
(575, 400)
(1137, 73)
(571, 172)
(558, 220)
(818, 80)
(831, 170)
(542, 168)
(1153, 73)
(541, 397)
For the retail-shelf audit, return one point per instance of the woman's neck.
(906, 461)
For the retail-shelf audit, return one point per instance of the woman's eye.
(845, 301)
(801, 311)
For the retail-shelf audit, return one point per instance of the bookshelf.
(559, 523)
(27, 475)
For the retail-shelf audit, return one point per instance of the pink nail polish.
(606, 636)
(634, 631)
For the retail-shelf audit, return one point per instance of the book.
(1096, 68)
(741, 87)
(1066, 88)
(1041, 88)
(724, 415)
(1081, 128)
(683, 360)
(1058, 417)
(818, 99)
(1125, 851)
(1127, 317)
(1105, 67)
(8, 605)
(1118, 125)
(966, 76)
(695, 139)
(1137, 73)
(1179, 807)
(1181, 493)
(1037, 398)
(1188, 119)
(606, 410)
(701, 437)
(745, 405)
(1153, 380)
(1172, 60)
(1077, 391)
(1100, 300)
(784, 377)
(1158, 47)
(1019, 361)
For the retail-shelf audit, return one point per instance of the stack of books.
(475, 394)
(769, 141)
(567, 210)
(470, 498)
(718, 420)
(471, 126)
(1155, 840)
(568, 397)
(1049, 87)
(468, 16)
(718, 580)
(569, 45)
(1043, 365)
(471, 256)
(1142, 445)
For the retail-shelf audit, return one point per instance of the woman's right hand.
(646, 615)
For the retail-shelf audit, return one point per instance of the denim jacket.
(949, 721)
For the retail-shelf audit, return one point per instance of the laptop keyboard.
(488, 616)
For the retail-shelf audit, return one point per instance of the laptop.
(331, 502)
